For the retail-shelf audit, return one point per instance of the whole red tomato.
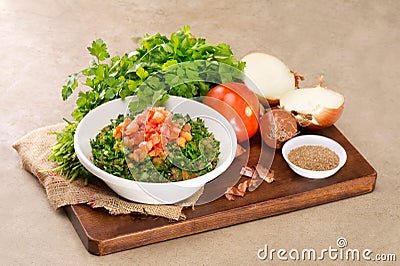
(238, 104)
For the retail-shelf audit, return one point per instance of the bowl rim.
(194, 182)
(304, 140)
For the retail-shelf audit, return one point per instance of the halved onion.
(314, 108)
(271, 77)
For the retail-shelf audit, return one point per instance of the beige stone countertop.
(355, 44)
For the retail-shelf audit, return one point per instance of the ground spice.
(316, 158)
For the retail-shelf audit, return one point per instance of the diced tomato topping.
(150, 130)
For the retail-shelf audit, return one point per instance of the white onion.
(314, 108)
(271, 77)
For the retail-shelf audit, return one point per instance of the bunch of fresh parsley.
(157, 61)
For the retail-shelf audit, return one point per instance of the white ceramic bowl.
(155, 193)
(317, 141)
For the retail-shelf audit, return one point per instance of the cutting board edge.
(259, 210)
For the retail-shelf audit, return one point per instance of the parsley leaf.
(99, 50)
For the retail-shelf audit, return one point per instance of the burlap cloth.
(34, 149)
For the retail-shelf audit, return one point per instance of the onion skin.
(325, 118)
(277, 126)
(272, 102)
(267, 103)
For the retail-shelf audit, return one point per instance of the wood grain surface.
(102, 233)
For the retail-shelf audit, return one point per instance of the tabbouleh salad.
(156, 146)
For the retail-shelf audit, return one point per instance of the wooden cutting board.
(102, 233)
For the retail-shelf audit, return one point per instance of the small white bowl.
(155, 193)
(315, 140)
